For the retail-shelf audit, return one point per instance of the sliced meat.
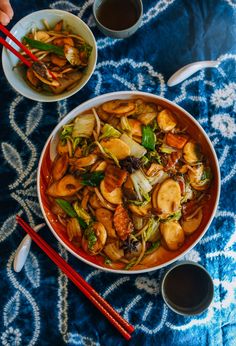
(114, 177)
(122, 222)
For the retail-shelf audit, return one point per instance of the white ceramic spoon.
(23, 250)
(186, 71)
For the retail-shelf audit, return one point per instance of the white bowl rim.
(57, 97)
(117, 94)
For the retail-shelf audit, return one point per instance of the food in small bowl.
(66, 52)
(63, 57)
(128, 181)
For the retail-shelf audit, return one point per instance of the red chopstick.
(15, 52)
(112, 315)
(18, 43)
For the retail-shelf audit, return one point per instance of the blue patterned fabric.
(38, 306)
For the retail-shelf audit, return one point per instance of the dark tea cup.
(118, 18)
(187, 288)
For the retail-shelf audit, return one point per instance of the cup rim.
(179, 264)
(118, 31)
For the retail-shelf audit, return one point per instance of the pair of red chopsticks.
(19, 44)
(18, 54)
(107, 310)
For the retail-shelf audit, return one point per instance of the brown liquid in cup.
(186, 286)
(117, 14)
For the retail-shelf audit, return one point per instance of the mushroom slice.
(72, 55)
(166, 120)
(67, 186)
(191, 152)
(168, 197)
(114, 197)
(148, 114)
(94, 238)
(42, 73)
(60, 166)
(105, 216)
(83, 161)
(173, 234)
(116, 147)
(118, 107)
(95, 202)
(195, 176)
(191, 225)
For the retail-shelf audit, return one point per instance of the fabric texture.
(39, 306)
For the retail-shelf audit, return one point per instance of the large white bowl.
(24, 26)
(49, 152)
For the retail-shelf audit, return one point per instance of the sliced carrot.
(56, 60)
(58, 26)
(136, 127)
(62, 41)
(176, 141)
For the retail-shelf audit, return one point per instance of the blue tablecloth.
(38, 306)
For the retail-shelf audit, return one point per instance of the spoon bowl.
(188, 70)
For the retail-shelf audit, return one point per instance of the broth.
(186, 286)
(117, 14)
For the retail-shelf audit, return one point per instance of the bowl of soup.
(66, 54)
(128, 182)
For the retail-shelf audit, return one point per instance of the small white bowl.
(24, 26)
(195, 129)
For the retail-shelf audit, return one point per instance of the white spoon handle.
(23, 250)
(186, 71)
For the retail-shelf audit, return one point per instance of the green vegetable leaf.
(175, 216)
(130, 264)
(148, 137)
(44, 46)
(93, 178)
(153, 226)
(207, 174)
(70, 211)
(66, 132)
(152, 157)
(153, 247)
(85, 47)
(82, 214)
(107, 261)
(65, 205)
(166, 149)
(109, 131)
(144, 160)
(91, 237)
(139, 203)
(75, 142)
